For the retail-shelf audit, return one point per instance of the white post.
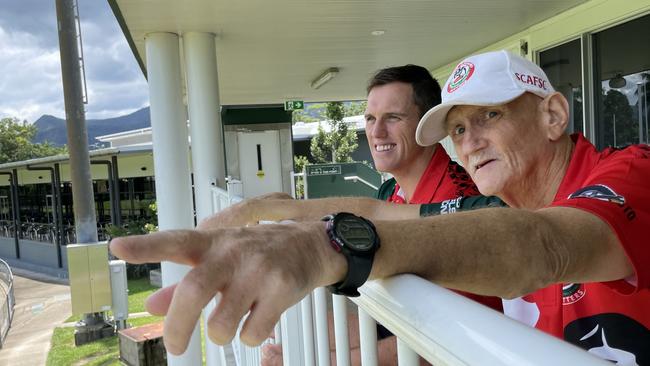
(341, 330)
(207, 142)
(405, 355)
(322, 334)
(308, 331)
(291, 329)
(368, 339)
(171, 159)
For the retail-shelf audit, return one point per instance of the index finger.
(179, 246)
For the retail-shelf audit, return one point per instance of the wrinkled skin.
(247, 212)
(251, 273)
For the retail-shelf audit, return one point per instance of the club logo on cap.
(463, 72)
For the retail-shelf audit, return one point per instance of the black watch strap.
(355, 278)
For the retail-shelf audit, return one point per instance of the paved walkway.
(42, 304)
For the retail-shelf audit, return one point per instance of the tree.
(337, 145)
(299, 163)
(313, 112)
(620, 127)
(16, 142)
(356, 108)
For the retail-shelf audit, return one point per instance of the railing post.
(405, 355)
(322, 333)
(307, 331)
(341, 330)
(367, 339)
(291, 337)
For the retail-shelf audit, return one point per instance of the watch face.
(355, 232)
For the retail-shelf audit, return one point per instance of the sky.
(30, 65)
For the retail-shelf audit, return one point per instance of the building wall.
(132, 140)
(34, 252)
(592, 16)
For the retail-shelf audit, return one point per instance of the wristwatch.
(356, 238)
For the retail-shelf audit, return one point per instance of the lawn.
(103, 352)
(139, 289)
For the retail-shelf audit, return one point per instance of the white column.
(207, 142)
(171, 159)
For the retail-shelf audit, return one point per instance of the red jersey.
(609, 319)
(443, 179)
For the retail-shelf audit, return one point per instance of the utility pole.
(93, 326)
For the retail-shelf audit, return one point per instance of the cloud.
(31, 85)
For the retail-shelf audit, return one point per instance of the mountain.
(53, 129)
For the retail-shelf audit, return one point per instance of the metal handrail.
(7, 302)
(356, 178)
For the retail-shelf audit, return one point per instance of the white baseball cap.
(491, 78)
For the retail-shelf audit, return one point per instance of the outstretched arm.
(267, 268)
(503, 252)
(278, 207)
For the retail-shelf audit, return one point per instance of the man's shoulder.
(631, 152)
(386, 189)
(631, 162)
(458, 177)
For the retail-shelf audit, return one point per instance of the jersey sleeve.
(460, 204)
(386, 189)
(618, 192)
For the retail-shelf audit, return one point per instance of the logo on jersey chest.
(599, 192)
(572, 293)
(604, 193)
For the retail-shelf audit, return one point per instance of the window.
(563, 66)
(622, 73)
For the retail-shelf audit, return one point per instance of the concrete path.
(42, 304)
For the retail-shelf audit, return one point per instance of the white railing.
(355, 178)
(222, 198)
(437, 324)
(448, 329)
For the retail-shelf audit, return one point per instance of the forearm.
(500, 252)
(315, 209)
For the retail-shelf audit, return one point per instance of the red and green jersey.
(609, 319)
(443, 180)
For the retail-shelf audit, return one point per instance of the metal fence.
(7, 300)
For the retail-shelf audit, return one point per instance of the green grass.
(139, 290)
(103, 352)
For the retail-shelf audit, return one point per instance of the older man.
(579, 217)
(514, 146)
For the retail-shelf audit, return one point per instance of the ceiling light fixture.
(378, 32)
(323, 78)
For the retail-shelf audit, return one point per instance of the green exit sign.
(292, 105)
